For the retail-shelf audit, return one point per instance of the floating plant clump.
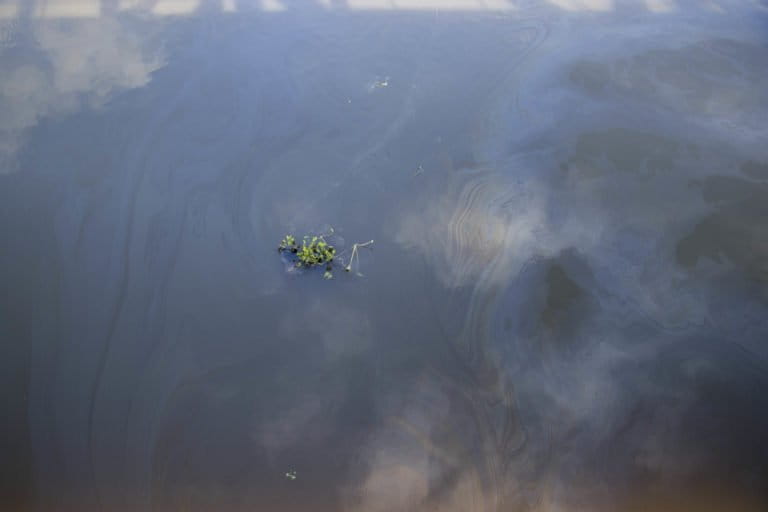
(315, 251)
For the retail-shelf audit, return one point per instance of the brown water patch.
(623, 150)
(735, 232)
(710, 77)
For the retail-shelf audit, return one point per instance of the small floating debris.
(316, 251)
(419, 170)
(379, 83)
(290, 475)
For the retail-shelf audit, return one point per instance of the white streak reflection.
(432, 5)
(175, 7)
(584, 5)
(272, 6)
(68, 9)
(660, 5)
(9, 9)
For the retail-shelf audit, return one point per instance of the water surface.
(565, 308)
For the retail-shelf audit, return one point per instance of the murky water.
(565, 307)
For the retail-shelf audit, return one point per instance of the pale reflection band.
(93, 8)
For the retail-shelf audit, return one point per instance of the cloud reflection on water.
(72, 69)
(621, 201)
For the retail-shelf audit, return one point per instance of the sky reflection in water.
(565, 308)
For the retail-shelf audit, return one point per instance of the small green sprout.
(288, 243)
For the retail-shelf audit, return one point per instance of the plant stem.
(354, 255)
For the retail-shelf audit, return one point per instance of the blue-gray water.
(565, 307)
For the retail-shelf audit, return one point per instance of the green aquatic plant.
(315, 251)
(288, 242)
